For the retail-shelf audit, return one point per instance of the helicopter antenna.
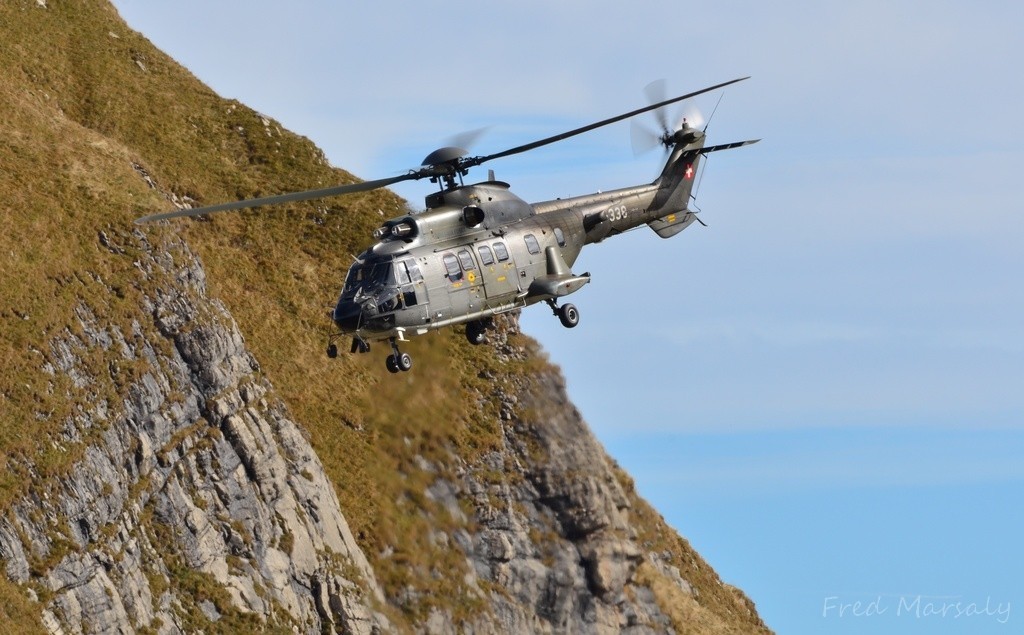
(707, 159)
(713, 111)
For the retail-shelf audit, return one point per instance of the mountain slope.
(178, 453)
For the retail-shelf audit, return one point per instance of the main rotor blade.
(469, 162)
(281, 198)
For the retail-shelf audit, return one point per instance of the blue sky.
(823, 389)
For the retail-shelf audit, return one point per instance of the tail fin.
(676, 185)
(676, 181)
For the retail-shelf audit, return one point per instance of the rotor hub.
(684, 136)
(448, 155)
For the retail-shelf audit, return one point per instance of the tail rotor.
(644, 139)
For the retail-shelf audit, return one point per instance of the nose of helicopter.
(346, 315)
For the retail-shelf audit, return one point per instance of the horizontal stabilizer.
(728, 146)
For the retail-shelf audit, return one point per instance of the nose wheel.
(397, 360)
(359, 345)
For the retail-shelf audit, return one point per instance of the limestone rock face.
(555, 532)
(545, 524)
(551, 536)
(201, 494)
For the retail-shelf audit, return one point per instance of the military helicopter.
(479, 250)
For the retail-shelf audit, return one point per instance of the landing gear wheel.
(397, 360)
(404, 362)
(568, 315)
(475, 333)
(332, 351)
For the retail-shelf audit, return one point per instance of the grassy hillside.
(92, 117)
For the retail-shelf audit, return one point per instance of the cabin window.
(559, 236)
(451, 263)
(486, 257)
(501, 251)
(531, 244)
(467, 260)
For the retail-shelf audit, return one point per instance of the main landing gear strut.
(567, 314)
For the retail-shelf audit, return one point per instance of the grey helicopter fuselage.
(480, 250)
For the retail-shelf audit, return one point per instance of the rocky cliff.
(178, 453)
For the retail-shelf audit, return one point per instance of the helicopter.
(479, 250)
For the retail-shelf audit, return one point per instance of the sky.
(823, 390)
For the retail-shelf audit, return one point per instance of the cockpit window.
(368, 275)
(407, 271)
(402, 272)
(414, 271)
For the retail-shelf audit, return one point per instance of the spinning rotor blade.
(470, 162)
(693, 116)
(281, 198)
(655, 92)
(468, 138)
(642, 138)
